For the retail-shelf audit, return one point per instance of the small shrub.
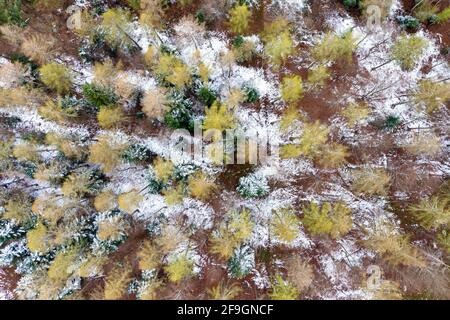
(242, 262)
(391, 122)
(11, 12)
(253, 186)
(207, 96)
(180, 116)
(99, 96)
(138, 153)
(351, 3)
(408, 22)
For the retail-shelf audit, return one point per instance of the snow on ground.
(337, 267)
(289, 7)
(32, 120)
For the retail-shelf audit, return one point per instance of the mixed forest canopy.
(349, 100)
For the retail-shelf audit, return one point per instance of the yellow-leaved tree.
(333, 156)
(115, 25)
(174, 195)
(38, 47)
(334, 48)
(285, 225)
(218, 117)
(334, 220)
(26, 151)
(200, 186)
(39, 238)
(110, 117)
(179, 268)
(371, 181)
(291, 89)
(117, 282)
(279, 47)
(315, 135)
(105, 201)
(394, 247)
(235, 230)
(407, 50)
(282, 289)
(432, 213)
(180, 75)
(107, 151)
(424, 144)
(64, 265)
(149, 256)
(155, 103)
(355, 113)
(239, 18)
(56, 77)
(318, 75)
(290, 115)
(163, 169)
(129, 201)
(431, 95)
